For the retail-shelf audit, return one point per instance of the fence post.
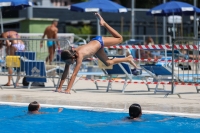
(172, 86)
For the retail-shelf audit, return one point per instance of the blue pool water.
(16, 119)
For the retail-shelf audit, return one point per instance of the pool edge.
(106, 109)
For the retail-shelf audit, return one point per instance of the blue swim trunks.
(99, 38)
(50, 43)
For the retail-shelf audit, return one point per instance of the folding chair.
(24, 55)
(192, 78)
(120, 69)
(92, 71)
(159, 73)
(35, 72)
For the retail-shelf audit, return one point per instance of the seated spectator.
(194, 55)
(61, 2)
(149, 41)
(12, 44)
(146, 54)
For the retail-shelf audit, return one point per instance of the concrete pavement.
(87, 95)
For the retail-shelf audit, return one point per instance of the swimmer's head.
(33, 106)
(55, 22)
(68, 56)
(135, 111)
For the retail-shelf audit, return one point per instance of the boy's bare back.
(89, 49)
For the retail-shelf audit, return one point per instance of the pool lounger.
(159, 71)
(155, 71)
(122, 69)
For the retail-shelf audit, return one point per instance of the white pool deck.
(88, 96)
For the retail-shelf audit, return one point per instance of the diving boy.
(94, 47)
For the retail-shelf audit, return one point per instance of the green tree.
(84, 30)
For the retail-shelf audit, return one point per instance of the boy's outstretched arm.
(60, 110)
(65, 73)
(73, 77)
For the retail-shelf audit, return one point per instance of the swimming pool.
(16, 119)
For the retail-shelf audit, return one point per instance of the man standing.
(51, 33)
(12, 43)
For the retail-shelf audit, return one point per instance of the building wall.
(144, 25)
(34, 25)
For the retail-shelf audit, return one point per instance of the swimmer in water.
(34, 107)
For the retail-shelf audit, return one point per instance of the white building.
(51, 2)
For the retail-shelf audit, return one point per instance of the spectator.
(51, 33)
(146, 54)
(12, 43)
(149, 41)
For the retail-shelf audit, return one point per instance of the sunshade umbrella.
(173, 8)
(13, 4)
(98, 6)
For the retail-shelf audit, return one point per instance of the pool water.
(16, 119)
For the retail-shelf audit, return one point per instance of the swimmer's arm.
(60, 110)
(77, 68)
(165, 119)
(65, 73)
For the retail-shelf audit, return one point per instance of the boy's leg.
(10, 51)
(110, 41)
(9, 77)
(53, 52)
(50, 54)
(103, 57)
